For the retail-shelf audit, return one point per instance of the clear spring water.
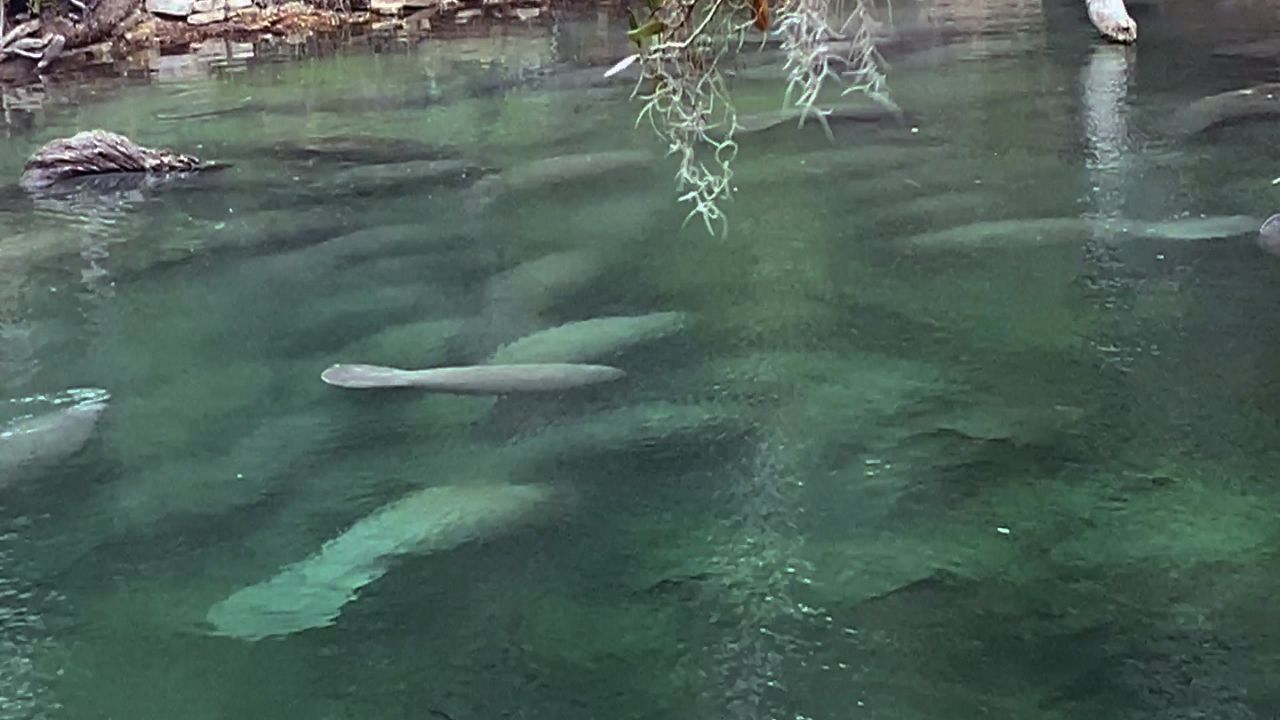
(1001, 479)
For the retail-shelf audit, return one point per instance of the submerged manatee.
(1200, 228)
(419, 173)
(312, 592)
(477, 380)
(410, 344)
(1034, 231)
(30, 443)
(880, 108)
(515, 299)
(588, 340)
(548, 173)
(363, 149)
(1255, 103)
(1001, 233)
(634, 426)
(1269, 235)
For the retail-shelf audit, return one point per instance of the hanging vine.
(682, 45)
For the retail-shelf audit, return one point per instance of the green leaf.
(649, 29)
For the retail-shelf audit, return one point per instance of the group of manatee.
(311, 592)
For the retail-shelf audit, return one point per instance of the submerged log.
(98, 152)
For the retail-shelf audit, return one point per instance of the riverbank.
(108, 40)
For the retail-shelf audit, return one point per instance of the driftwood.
(1112, 20)
(98, 152)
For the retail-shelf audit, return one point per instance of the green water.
(871, 477)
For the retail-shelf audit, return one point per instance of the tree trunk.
(104, 20)
(1112, 20)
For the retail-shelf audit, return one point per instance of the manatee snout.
(1269, 235)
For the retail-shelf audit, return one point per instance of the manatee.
(1001, 233)
(1012, 233)
(261, 463)
(514, 299)
(411, 343)
(865, 161)
(550, 172)
(880, 109)
(30, 443)
(419, 173)
(312, 592)
(358, 149)
(340, 252)
(994, 420)
(1201, 228)
(536, 285)
(1259, 49)
(474, 380)
(632, 426)
(1255, 103)
(588, 340)
(1269, 235)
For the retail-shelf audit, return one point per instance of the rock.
(211, 6)
(98, 152)
(207, 18)
(171, 8)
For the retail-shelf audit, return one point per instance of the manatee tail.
(302, 596)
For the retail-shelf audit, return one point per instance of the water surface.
(1026, 475)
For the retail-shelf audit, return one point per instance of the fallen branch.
(96, 152)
